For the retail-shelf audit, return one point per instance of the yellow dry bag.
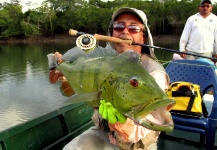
(188, 99)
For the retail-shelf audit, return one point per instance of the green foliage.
(29, 29)
(10, 17)
(93, 16)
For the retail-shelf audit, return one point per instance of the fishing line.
(172, 50)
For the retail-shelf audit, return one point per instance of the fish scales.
(84, 77)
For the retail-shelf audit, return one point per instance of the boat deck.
(180, 140)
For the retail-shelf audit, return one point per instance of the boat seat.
(201, 73)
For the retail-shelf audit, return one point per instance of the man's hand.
(109, 113)
(215, 60)
(53, 59)
(55, 75)
(182, 54)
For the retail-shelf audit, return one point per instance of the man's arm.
(185, 37)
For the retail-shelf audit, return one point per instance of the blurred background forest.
(56, 17)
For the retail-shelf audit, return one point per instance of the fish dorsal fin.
(131, 55)
(100, 51)
(72, 54)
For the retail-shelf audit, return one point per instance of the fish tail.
(51, 61)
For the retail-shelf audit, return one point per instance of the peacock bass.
(119, 79)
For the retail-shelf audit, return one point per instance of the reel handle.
(101, 37)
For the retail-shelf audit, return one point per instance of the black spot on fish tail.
(104, 89)
(111, 83)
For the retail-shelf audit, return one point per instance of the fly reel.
(86, 42)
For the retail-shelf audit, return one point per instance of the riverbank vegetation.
(56, 17)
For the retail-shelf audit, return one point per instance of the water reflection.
(162, 54)
(25, 90)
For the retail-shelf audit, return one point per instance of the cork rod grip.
(111, 39)
(101, 37)
(73, 32)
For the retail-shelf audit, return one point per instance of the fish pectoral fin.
(86, 97)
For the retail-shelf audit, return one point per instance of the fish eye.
(134, 82)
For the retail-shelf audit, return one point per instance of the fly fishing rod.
(86, 40)
(172, 50)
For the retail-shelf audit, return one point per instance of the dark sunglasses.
(131, 28)
(203, 6)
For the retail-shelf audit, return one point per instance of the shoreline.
(166, 38)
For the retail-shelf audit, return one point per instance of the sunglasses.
(203, 6)
(130, 28)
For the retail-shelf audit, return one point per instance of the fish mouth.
(158, 120)
(155, 116)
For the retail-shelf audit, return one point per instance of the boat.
(50, 131)
(57, 128)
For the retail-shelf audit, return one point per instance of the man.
(128, 24)
(200, 33)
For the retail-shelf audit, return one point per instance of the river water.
(25, 89)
